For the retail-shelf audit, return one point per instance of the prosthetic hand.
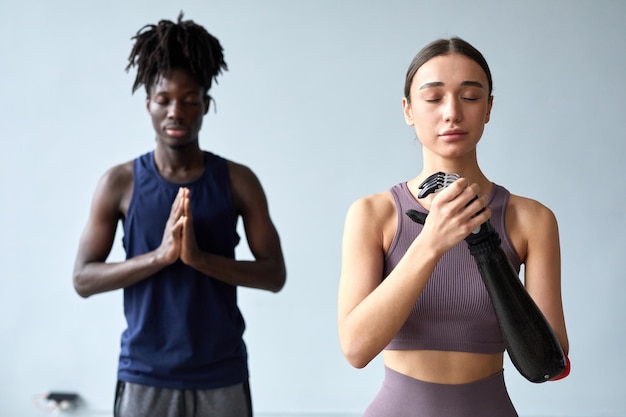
(530, 342)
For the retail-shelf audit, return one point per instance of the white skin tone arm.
(534, 233)
(372, 310)
(449, 107)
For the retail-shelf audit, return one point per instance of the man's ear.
(147, 90)
(207, 103)
(408, 112)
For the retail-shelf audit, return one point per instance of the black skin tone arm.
(177, 104)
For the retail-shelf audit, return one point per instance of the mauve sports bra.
(454, 311)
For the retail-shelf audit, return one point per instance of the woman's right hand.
(455, 212)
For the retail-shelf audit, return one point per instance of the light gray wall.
(312, 104)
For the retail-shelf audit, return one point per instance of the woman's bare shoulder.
(377, 206)
(374, 216)
(529, 223)
(527, 209)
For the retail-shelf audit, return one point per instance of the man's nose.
(174, 111)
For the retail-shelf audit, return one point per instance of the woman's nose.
(452, 111)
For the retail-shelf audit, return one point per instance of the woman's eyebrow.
(441, 84)
(472, 84)
(431, 85)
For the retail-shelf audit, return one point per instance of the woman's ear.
(408, 112)
(489, 105)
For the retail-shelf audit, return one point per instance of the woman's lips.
(453, 134)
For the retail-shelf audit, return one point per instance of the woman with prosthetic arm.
(412, 289)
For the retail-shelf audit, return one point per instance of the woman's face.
(449, 105)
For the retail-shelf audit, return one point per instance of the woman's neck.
(466, 166)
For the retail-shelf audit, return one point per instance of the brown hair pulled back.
(441, 47)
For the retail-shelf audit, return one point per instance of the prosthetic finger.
(416, 216)
(436, 182)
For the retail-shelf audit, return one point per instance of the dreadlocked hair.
(167, 45)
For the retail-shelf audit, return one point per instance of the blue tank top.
(184, 329)
(454, 311)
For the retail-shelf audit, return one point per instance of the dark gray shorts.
(403, 396)
(134, 400)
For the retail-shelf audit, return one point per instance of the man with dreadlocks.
(182, 353)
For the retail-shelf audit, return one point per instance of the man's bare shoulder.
(240, 173)
(115, 188)
(118, 177)
(248, 194)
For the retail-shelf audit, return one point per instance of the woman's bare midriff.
(443, 367)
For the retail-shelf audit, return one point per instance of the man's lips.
(176, 130)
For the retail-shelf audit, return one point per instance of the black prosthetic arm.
(532, 346)
(530, 342)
